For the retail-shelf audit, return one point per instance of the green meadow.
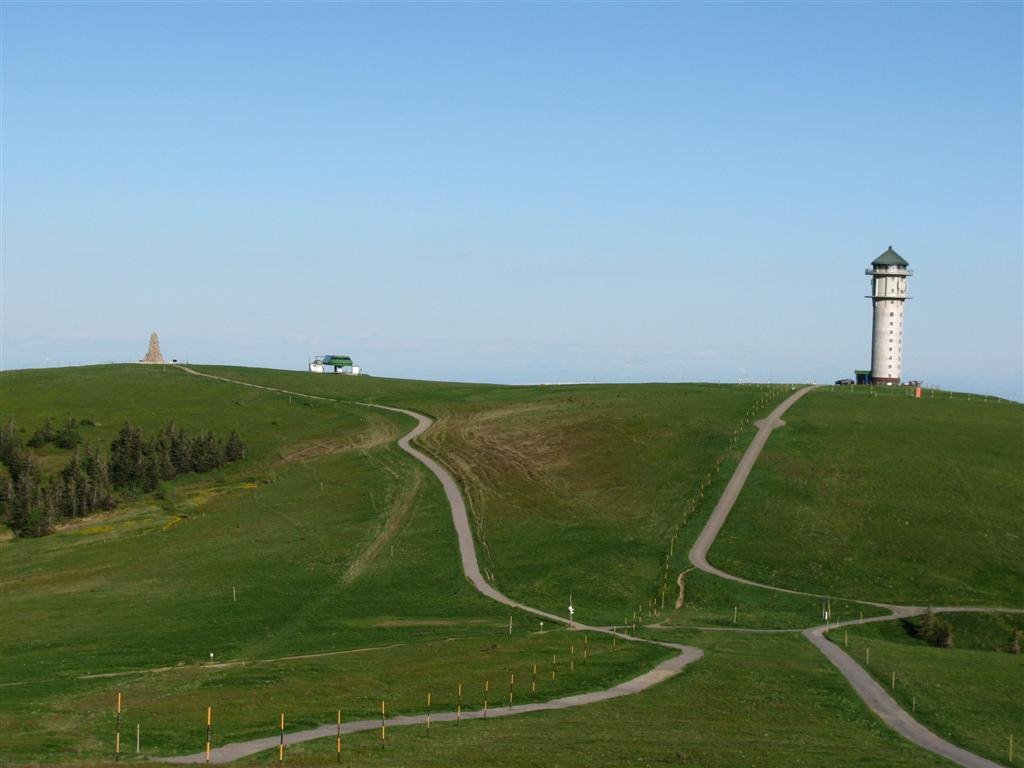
(325, 539)
(753, 700)
(971, 694)
(578, 489)
(887, 498)
(322, 571)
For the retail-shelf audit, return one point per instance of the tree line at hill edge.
(90, 481)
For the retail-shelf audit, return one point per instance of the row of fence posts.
(691, 505)
(892, 680)
(383, 707)
(913, 392)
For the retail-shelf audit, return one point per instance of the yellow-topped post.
(280, 746)
(209, 723)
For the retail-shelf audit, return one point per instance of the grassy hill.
(887, 498)
(573, 489)
(969, 694)
(328, 537)
(322, 572)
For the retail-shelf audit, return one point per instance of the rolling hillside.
(887, 498)
(322, 572)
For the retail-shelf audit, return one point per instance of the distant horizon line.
(592, 382)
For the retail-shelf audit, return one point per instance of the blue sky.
(520, 192)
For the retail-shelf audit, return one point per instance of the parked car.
(844, 382)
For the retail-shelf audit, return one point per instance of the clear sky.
(518, 193)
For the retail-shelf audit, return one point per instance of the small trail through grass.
(684, 654)
(873, 695)
(870, 692)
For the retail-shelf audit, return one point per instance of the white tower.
(889, 273)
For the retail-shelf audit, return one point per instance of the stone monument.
(153, 353)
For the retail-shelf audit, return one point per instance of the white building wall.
(887, 339)
(889, 294)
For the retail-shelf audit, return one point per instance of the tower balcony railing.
(884, 272)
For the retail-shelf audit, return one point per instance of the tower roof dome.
(890, 258)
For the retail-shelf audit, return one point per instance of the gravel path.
(699, 551)
(873, 695)
(663, 671)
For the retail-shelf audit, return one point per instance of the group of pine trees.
(89, 481)
(30, 506)
(64, 436)
(139, 464)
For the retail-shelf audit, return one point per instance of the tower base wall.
(884, 380)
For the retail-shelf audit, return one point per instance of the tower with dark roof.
(889, 274)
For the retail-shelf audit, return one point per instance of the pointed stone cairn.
(153, 353)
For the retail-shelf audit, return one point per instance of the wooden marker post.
(138, 738)
(552, 667)
(572, 658)
(209, 724)
(511, 683)
(510, 626)
(458, 709)
(339, 735)
(868, 656)
(846, 638)
(894, 679)
(280, 745)
(428, 714)
(586, 648)
(487, 689)
(383, 733)
(117, 732)
(533, 684)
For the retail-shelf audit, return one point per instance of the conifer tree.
(234, 450)
(126, 456)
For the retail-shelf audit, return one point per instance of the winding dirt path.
(873, 695)
(685, 654)
(870, 692)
